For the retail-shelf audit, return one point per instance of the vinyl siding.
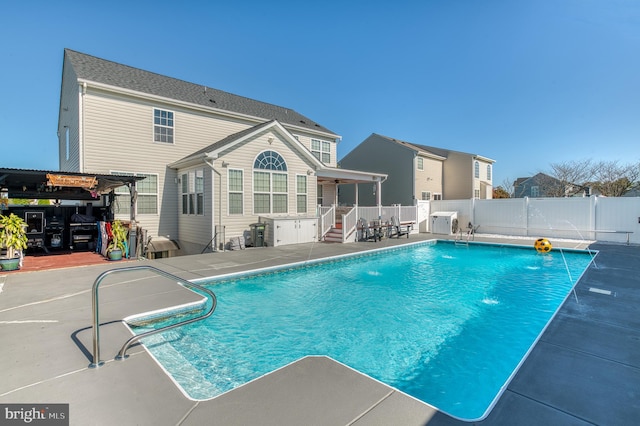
(117, 135)
(458, 176)
(430, 178)
(196, 230)
(328, 195)
(483, 183)
(242, 157)
(69, 117)
(376, 154)
(305, 139)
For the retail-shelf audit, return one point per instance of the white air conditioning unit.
(444, 223)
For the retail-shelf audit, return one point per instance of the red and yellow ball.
(542, 245)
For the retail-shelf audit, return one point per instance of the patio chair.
(398, 229)
(365, 232)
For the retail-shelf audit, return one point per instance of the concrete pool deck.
(584, 370)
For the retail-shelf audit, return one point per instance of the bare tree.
(569, 177)
(508, 186)
(613, 179)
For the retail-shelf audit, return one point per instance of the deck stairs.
(335, 233)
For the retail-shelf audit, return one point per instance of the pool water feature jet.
(593, 258)
(573, 288)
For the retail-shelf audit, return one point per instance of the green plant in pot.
(13, 237)
(117, 247)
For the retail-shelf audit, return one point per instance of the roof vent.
(212, 101)
(303, 122)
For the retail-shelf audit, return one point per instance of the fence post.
(592, 220)
(525, 208)
(473, 210)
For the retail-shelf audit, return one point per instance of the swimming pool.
(444, 323)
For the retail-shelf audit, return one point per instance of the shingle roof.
(435, 151)
(98, 70)
(431, 149)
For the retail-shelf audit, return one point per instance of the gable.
(273, 131)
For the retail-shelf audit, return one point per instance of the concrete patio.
(584, 370)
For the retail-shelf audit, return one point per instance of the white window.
(477, 169)
(476, 193)
(535, 191)
(270, 189)
(488, 171)
(320, 196)
(437, 196)
(193, 192)
(301, 193)
(147, 189)
(426, 195)
(162, 126)
(236, 191)
(321, 150)
(420, 163)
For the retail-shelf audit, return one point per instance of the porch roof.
(342, 176)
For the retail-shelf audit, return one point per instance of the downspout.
(209, 161)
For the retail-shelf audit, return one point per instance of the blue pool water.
(446, 324)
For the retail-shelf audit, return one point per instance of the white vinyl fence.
(591, 218)
(384, 213)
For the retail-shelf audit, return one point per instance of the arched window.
(477, 170)
(270, 189)
(270, 160)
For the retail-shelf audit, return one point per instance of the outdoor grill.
(54, 230)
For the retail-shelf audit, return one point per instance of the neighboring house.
(542, 185)
(212, 161)
(418, 172)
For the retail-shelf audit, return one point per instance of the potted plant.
(118, 245)
(13, 238)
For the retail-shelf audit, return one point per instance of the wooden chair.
(365, 232)
(398, 229)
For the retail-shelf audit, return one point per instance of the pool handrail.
(96, 321)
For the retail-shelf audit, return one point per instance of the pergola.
(57, 185)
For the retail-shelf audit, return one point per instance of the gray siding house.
(417, 172)
(543, 185)
(214, 163)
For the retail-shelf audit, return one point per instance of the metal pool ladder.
(96, 322)
(459, 238)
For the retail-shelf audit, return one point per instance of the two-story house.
(214, 163)
(418, 172)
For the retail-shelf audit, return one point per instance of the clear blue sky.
(526, 83)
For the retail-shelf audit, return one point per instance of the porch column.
(357, 196)
(379, 197)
